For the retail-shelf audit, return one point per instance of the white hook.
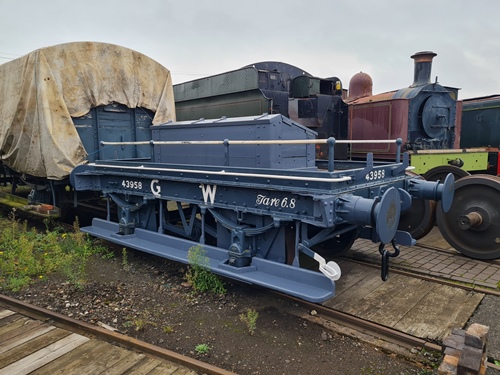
(330, 269)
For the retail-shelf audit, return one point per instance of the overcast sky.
(197, 38)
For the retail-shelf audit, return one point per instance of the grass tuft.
(27, 254)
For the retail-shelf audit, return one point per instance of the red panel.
(381, 120)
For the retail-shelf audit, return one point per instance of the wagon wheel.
(420, 218)
(335, 246)
(338, 245)
(440, 173)
(472, 225)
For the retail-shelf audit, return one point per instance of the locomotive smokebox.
(423, 66)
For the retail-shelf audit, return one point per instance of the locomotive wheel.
(419, 219)
(472, 226)
(440, 173)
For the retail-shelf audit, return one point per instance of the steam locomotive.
(426, 115)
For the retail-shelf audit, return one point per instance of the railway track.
(450, 251)
(409, 273)
(433, 257)
(160, 359)
(361, 322)
(393, 339)
(327, 316)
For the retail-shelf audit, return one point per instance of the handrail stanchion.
(152, 144)
(98, 153)
(226, 152)
(331, 159)
(399, 142)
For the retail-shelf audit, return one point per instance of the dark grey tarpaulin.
(41, 91)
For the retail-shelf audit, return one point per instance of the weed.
(250, 319)
(140, 322)
(125, 264)
(28, 254)
(202, 349)
(431, 361)
(106, 253)
(199, 274)
(168, 329)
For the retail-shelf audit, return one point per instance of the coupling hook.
(386, 254)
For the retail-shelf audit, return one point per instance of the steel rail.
(387, 334)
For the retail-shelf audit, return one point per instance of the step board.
(299, 282)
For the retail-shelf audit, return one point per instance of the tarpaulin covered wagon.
(58, 103)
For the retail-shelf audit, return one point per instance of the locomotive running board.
(302, 283)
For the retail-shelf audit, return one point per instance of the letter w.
(208, 192)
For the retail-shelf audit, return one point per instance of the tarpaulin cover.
(41, 91)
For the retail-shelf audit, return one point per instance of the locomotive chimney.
(423, 65)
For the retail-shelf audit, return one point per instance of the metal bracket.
(127, 225)
(369, 166)
(230, 225)
(405, 164)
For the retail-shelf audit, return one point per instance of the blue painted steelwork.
(114, 122)
(252, 221)
(103, 123)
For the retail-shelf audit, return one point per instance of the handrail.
(226, 142)
(250, 142)
(223, 172)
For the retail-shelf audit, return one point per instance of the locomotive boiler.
(425, 115)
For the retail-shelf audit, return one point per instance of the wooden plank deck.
(29, 346)
(411, 305)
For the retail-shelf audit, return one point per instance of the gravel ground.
(148, 298)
